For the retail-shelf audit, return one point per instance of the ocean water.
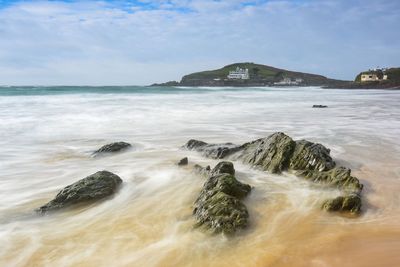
(47, 135)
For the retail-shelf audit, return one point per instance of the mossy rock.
(112, 148)
(271, 154)
(339, 177)
(222, 213)
(92, 188)
(349, 203)
(223, 167)
(219, 207)
(311, 156)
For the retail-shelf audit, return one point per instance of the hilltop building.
(374, 75)
(239, 73)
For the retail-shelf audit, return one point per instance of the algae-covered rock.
(221, 213)
(271, 154)
(94, 187)
(339, 177)
(223, 167)
(310, 156)
(112, 148)
(278, 152)
(218, 206)
(349, 203)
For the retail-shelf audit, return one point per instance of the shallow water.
(48, 134)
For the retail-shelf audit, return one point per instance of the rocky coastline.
(219, 207)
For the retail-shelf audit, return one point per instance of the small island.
(249, 74)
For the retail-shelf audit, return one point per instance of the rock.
(278, 152)
(319, 106)
(310, 156)
(271, 154)
(339, 177)
(94, 187)
(215, 151)
(113, 147)
(218, 206)
(350, 203)
(223, 167)
(222, 213)
(183, 162)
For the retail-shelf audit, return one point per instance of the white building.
(369, 77)
(241, 74)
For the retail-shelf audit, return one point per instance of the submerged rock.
(349, 203)
(319, 106)
(113, 147)
(94, 187)
(215, 151)
(278, 152)
(218, 206)
(201, 170)
(183, 162)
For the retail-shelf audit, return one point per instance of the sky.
(142, 42)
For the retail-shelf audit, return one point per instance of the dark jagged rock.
(311, 156)
(223, 167)
(218, 206)
(183, 162)
(271, 154)
(94, 187)
(349, 203)
(215, 151)
(278, 152)
(113, 147)
(319, 106)
(339, 177)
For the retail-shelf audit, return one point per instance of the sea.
(48, 135)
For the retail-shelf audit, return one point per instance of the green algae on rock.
(348, 203)
(278, 152)
(219, 207)
(271, 154)
(94, 187)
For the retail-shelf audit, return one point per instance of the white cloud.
(101, 43)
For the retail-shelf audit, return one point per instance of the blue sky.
(141, 42)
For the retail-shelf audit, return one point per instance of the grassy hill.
(259, 75)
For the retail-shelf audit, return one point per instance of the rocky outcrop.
(219, 207)
(270, 154)
(278, 152)
(349, 203)
(183, 162)
(112, 148)
(94, 187)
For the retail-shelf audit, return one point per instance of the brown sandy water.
(149, 223)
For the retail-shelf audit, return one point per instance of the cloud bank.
(142, 42)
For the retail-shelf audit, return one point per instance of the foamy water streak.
(48, 134)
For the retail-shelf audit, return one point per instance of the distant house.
(374, 75)
(369, 77)
(239, 74)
